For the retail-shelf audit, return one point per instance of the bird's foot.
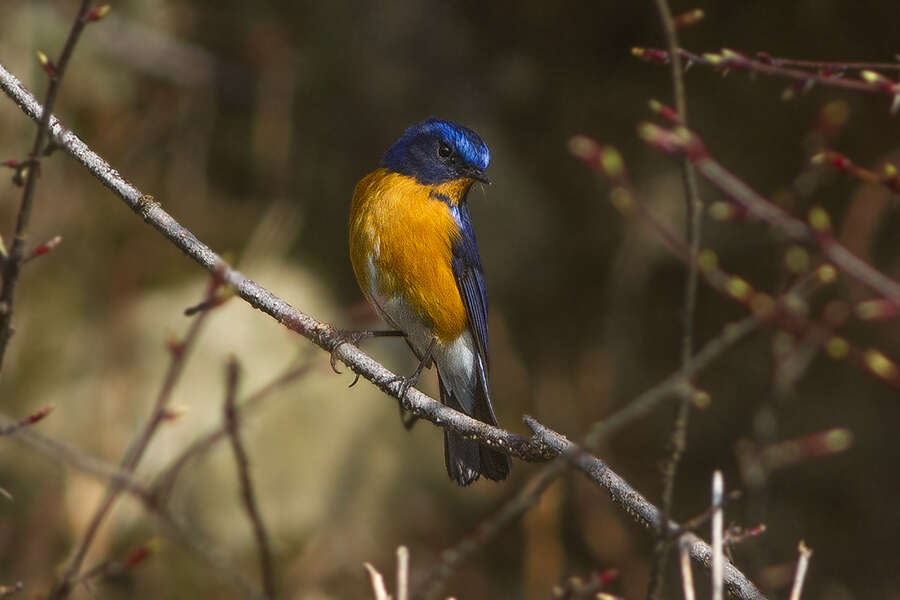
(354, 337)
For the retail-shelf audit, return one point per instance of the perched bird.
(414, 254)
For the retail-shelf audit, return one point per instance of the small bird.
(414, 254)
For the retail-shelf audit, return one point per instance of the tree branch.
(12, 264)
(248, 495)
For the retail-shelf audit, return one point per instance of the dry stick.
(10, 428)
(687, 576)
(622, 494)
(829, 66)
(678, 436)
(402, 573)
(730, 59)
(12, 265)
(800, 575)
(135, 452)
(532, 449)
(247, 493)
(170, 526)
(718, 525)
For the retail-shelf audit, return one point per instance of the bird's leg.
(411, 380)
(349, 336)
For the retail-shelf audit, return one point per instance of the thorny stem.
(12, 266)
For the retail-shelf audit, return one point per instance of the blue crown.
(416, 152)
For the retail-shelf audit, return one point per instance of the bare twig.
(802, 566)
(12, 265)
(248, 495)
(8, 428)
(694, 221)
(378, 587)
(871, 81)
(179, 352)
(718, 537)
(687, 576)
(402, 573)
(113, 567)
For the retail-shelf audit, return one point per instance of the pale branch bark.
(539, 447)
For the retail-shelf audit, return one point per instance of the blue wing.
(470, 281)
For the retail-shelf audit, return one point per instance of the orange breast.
(407, 235)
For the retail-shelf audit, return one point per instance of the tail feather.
(466, 459)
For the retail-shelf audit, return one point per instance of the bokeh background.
(251, 122)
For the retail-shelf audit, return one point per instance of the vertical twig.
(179, 352)
(402, 573)
(718, 554)
(694, 218)
(247, 493)
(687, 576)
(12, 265)
(802, 566)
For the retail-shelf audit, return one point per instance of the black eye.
(444, 150)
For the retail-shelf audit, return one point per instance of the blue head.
(436, 151)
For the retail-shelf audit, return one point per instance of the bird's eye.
(444, 150)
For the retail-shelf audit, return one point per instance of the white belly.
(455, 359)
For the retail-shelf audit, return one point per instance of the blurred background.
(252, 122)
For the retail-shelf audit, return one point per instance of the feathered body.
(415, 257)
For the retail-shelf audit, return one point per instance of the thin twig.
(402, 573)
(687, 576)
(731, 60)
(694, 221)
(12, 265)
(179, 353)
(38, 415)
(718, 536)
(377, 580)
(802, 566)
(248, 495)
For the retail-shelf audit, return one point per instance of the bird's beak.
(478, 175)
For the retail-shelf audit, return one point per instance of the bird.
(415, 257)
